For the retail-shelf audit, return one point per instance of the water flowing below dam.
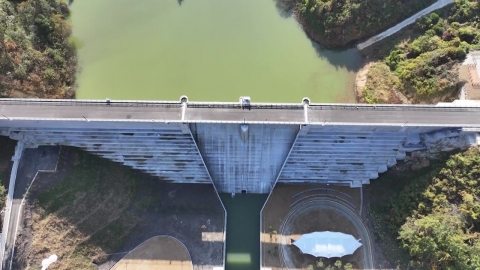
(243, 227)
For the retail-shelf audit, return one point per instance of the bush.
(380, 83)
(426, 66)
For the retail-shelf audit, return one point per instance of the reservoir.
(209, 50)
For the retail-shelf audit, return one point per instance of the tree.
(439, 240)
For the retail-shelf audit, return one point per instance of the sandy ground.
(361, 79)
(279, 225)
(161, 252)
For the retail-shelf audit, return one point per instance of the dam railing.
(182, 111)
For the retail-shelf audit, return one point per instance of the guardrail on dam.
(243, 146)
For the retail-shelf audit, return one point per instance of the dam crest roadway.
(443, 114)
(244, 146)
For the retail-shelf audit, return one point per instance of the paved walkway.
(41, 159)
(437, 5)
(160, 252)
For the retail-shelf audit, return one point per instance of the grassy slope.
(86, 215)
(90, 208)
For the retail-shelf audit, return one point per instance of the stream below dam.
(243, 230)
(209, 50)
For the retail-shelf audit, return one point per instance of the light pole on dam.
(244, 148)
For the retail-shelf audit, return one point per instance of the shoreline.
(361, 79)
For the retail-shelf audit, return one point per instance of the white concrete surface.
(473, 58)
(239, 161)
(11, 188)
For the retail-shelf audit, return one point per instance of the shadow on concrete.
(7, 147)
(118, 209)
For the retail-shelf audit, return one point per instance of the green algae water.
(243, 230)
(209, 50)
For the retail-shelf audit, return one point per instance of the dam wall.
(168, 151)
(242, 148)
(251, 158)
(244, 157)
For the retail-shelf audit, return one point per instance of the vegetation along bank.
(36, 57)
(422, 63)
(336, 23)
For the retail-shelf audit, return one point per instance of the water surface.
(243, 230)
(210, 50)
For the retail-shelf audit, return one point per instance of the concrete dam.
(244, 146)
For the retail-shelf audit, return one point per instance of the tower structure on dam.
(244, 147)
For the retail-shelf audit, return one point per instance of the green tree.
(439, 241)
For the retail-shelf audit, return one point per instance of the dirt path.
(361, 79)
(160, 252)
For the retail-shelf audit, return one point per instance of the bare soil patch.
(93, 211)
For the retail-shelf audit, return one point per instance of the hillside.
(425, 67)
(429, 219)
(336, 23)
(36, 58)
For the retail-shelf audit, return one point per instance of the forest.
(336, 23)
(433, 214)
(425, 69)
(36, 57)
